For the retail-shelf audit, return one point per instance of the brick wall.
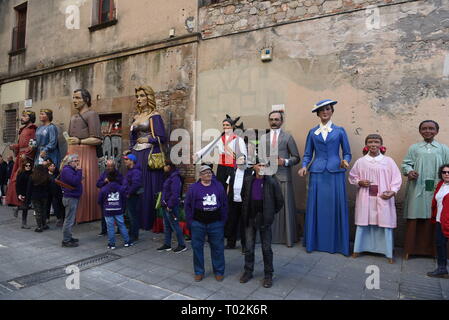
(232, 16)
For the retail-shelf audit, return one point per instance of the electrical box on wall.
(265, 54)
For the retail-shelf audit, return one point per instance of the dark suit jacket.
(230, 190)
(287, 149)
(273, 201)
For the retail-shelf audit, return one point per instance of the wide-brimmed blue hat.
(323, 103)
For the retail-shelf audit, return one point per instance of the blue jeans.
(121, 226)
(133, 214)
(215, 235)
(70, 205)
(441, 246)
(170, 225)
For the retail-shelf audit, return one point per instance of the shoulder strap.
(85, 122)
(154, 135)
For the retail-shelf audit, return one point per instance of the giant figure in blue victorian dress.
(326, 224)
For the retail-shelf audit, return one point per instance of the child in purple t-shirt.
(112, 200)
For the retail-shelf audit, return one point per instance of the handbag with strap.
(156, 161)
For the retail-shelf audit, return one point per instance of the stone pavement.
(140, 272)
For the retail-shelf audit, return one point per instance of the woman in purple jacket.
(206, 207)
(72, 189)
(171, 194)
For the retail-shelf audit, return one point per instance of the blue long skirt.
(152, 184)
(374, 239)
(327, 223)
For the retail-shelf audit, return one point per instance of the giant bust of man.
(84, 136)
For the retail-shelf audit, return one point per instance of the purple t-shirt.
(257, 190)
(206, 198)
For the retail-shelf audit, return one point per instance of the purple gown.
(152, 179)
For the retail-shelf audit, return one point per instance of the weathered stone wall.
(234, 16)
(386, 79)
(171, 72)
(50, 43)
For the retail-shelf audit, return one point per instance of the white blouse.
(444, 190)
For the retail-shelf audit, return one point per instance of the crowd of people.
(244, 197)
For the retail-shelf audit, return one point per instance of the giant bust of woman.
(147, 133)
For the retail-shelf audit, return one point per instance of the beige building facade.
(386, 62)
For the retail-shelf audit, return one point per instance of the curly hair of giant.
(151, 100)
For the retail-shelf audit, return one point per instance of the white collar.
(324, 128)
(374, 159)
(276, 130)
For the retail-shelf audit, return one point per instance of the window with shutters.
(19, 31)
(104, 14)
(9, 128)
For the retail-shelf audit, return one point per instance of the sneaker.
(38, 230)
(438, 273)
(24, 226)
(246, 277)
(101, 234)
(111, 246)
(74, 240)
(69, 244)
(180, 249)
(128, 244)
(164, 248)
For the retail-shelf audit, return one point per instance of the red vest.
(227, 158)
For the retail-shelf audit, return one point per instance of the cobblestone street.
(140, 272)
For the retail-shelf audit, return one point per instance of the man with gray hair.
(102, 181)
(72, 189)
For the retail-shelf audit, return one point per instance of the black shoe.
(438, 273)
(230, 245)
(46, 227)
(74, 240)
(38, 230)
(163, 248)
(101, 234)
(267, 282)
(246, 277)
(180, 249)
(69, 244)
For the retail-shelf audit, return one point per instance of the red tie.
(275, 140)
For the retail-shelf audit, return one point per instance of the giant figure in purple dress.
(147, 133)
